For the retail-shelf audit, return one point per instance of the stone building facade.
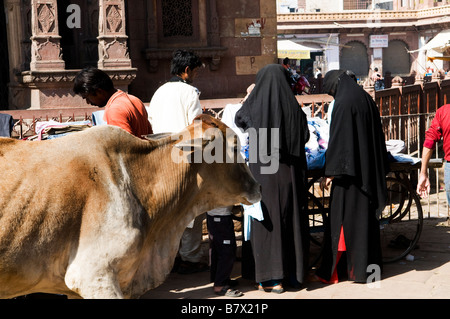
(364, 34)
(45, 43)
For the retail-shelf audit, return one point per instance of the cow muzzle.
(254, 196)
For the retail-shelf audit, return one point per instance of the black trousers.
(222, 241)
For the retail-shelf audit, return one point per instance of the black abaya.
(357, 159)
(280, 243)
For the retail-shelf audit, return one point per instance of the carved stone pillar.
(369, 86)
(113, 50)
(45, 47)
(14, 31)
(397, 82)
(213, 25)
(419, 79)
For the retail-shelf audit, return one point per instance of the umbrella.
(440, 43)
(432, 58)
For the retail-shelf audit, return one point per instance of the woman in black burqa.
(356, 163)
(279, 242)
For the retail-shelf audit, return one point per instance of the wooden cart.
(400, 223)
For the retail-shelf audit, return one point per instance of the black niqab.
(331, 82)
(272, 104)
(357, 147)
(357, 159)
(279, 243)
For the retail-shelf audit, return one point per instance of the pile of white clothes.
(396, 147)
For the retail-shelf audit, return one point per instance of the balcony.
(358, 19)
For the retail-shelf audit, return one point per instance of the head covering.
(356, 146)
(331, 81)
(272, 104)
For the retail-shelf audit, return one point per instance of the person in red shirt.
(121, 109)
(439, 129)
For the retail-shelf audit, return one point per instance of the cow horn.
(156, 136)
(196, 143)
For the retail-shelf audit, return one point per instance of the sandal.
(400, 242)
(228, 292)
(278, 289)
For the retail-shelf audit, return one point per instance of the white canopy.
(439, 43)
(290, 49)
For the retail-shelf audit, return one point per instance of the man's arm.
(194, 108)
(423, 185)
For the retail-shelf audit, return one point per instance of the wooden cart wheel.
(401, 221)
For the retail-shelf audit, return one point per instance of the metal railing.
(406, 112)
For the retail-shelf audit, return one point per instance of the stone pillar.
(112, 50)
(14, 31)
(46, 51)
(419, 79)
(16, 55)
(397, 82)
(369, 87)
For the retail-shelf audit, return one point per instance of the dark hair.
(285, 61)
(181, 59)
(90, 79)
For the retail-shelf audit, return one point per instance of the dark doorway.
(79, 44)
(4, 64)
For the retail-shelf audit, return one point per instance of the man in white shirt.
(176, 103)
(173, 107)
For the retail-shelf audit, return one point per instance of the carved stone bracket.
(46, 51)
(113, 50)
(48, 89)
(49, 78)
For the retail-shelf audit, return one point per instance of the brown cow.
(99, 214)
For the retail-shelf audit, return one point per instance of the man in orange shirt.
(121, 109)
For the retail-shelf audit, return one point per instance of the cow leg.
(91, 283)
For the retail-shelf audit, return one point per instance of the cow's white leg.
(110, 244)
(91, 283)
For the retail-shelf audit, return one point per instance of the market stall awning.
(290, 49)
(432, 58)
(440, 43)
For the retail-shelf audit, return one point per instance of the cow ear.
(193, 144)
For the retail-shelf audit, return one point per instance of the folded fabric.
(97, 118)
(406, 158)
(6, 125)
(315, 160)
(47, 128)
(395, 146)
(317, 144)
(251, 211)
(228, 116)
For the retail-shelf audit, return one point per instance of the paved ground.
(426, 277)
